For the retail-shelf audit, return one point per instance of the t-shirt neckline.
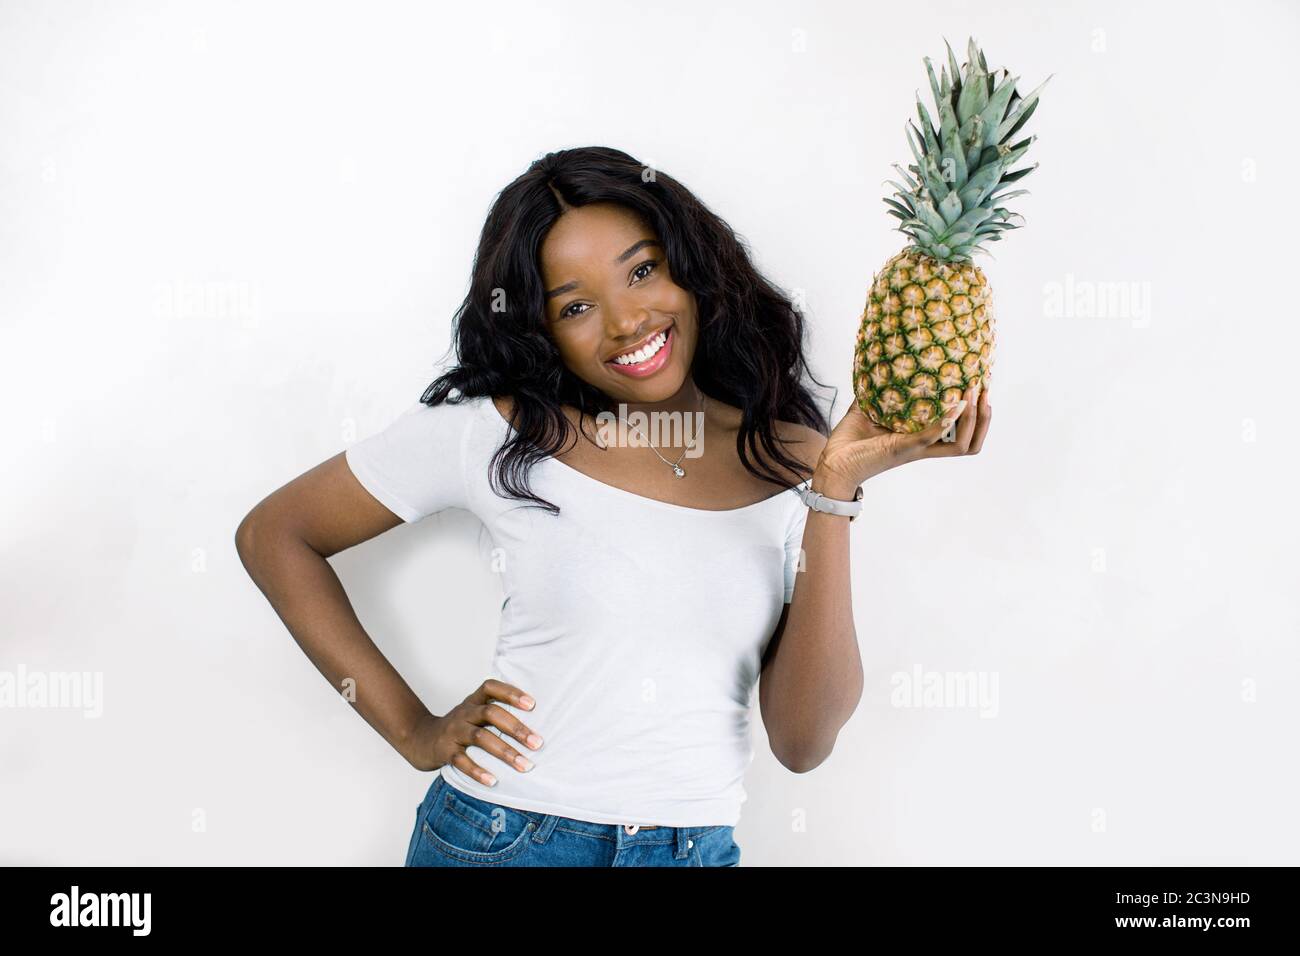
(504, 426)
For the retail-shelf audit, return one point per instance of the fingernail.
(523, 763)
(491, 780)
(534, 741)
(527, 701)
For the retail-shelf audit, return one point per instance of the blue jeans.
(453, 828)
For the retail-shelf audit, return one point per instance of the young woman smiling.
(654, 586)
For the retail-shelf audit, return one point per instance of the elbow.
(800, 766)
(244, 537)
(801, 758)
(811, 750)
(252, 536)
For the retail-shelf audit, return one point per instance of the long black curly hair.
(750, 346)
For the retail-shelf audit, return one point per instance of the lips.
(639, 345)
(652, 365)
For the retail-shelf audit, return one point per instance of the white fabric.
(637, 625)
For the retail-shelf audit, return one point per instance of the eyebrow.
(627, 254)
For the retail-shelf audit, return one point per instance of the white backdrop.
(231, 241)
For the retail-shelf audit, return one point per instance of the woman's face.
(609, 293)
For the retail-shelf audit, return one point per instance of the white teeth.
(648, 351)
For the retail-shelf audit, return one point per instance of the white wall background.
(1119, 559)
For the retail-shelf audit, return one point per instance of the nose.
(628, 323)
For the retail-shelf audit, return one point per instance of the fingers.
(926, 443)
(499, 717)
(482, 713)
(966, 423)
(972, 415)
(985, 416)
(502, 719)
(491, 690)
(483, 738)
(460, 760)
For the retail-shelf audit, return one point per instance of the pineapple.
(927, 331)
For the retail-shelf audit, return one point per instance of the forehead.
(592, 235)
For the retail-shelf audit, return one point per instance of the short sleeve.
(793, 547)
(415, 466)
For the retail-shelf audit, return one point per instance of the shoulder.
(802, 442)
(505, 406)
(805, 443)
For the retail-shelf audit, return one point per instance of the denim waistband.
(547, 823)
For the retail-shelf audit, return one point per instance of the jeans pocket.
(717, 847)
(466, 829)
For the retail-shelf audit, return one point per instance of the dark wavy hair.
(750, 344)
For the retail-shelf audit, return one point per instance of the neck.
(686, 400)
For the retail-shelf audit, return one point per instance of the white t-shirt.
(637, 625)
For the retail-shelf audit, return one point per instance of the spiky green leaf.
(980, 184)
(1003, 197)
(907, 212)
(934, 84)
(930, 216)
(927, 128)
(935, 184)
(974, 94)
(1021, 122)
(972, 218)
(1011, 155)
(1008, 124)
(953, 153)
(950, 208)
(1018, 174)
(996, 109)
(912, 185)
(952, 66)
(972, 134)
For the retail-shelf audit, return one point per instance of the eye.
(652, 263)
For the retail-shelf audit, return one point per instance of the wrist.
(835, 486)
(412, 744)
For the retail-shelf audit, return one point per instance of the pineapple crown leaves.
(952, 199)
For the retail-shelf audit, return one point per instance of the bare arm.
(283, 543)
(811, 678)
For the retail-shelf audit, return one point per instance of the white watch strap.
(835, 506)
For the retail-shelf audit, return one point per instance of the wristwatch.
(819, 502)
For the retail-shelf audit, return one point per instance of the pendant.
(679, 471)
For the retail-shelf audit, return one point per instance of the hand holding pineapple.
(858, 448)
(927, 333)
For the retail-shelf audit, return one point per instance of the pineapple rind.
(927, 334)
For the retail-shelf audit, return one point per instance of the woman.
(644, 586)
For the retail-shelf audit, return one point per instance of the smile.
(649, 358)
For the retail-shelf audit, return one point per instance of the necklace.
(676, 466)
